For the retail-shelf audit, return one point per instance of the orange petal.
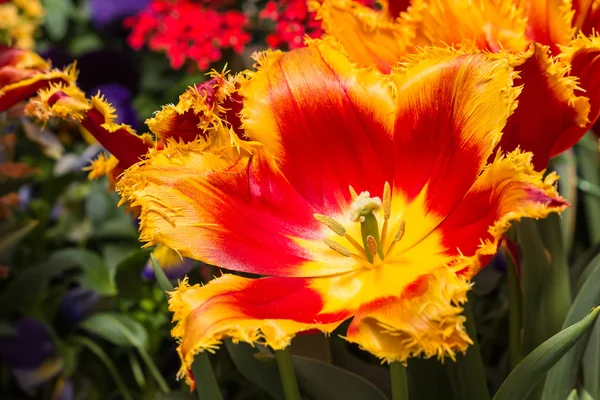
(549, 22)
(272, 310)
(227, 204)
(583, 54)
(199, 108)
(587, 16)
(269, 310)
(453, 105)
(424, 321)
(509, 189)
(549, 112)
(23, 73)
(328, 123)
(95, 115)
(369, 37)
(487, 24)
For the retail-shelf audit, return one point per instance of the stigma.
(376, 245)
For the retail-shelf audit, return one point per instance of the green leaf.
(319, 380)
(9, 239)
(110, 367)
(373, 372)
(591, 363)
(85, 44)
(28, 281)
(136, 369)
(56, 20)
(523, 379)
(324, 381)
(545, 281)
(118, 329)
(589, 160)
(562, 377)
(467, 374)
(263, 374)
(566, 166)
(96, 273)
(127, 276)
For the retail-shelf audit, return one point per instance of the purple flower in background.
(120, 98)
(30, 354)
(105, 12)
(78, 303)
(170, 262)
(30, 346)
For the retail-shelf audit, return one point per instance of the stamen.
(400, 232)
(353, 193)
(356, 245)
(397, 237)
(372, 245)
(387, 201)
(331, 224)
(337, 247)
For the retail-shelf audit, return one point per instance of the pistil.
(369, 229)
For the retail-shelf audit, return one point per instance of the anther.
(372, 245)
(331, 224)
(400, 231)
(353, 193)
(387, 201)
(337, 247)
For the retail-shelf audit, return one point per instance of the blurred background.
(81, 316)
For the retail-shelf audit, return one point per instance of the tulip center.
(362, 210)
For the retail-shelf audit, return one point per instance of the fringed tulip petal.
(454, 105)
(322, 118)
(269, 310)
(549, 22)
(368, 36)
(550, 111)
(583, 54)
(227, 204)
(508, 189)
(201, 107)
(95, 115)
(23, 73)
(425, 320)
(486, 24)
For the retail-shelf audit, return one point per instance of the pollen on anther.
(372, 245)
(387, 201)
(331, 224)
(337, 247)
(353, 193)
(400, 231)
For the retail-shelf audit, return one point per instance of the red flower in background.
(293, 21)
(188, 30)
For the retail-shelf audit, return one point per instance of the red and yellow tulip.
(555, 48)
(199, 108)
(356, 194)
(23, 73)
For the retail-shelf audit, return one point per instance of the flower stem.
(467, 375)
(399, 382)
(515, 312)
(287, 375)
